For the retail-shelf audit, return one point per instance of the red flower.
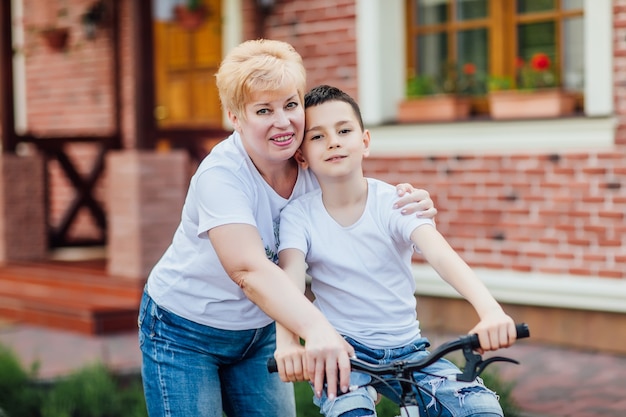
(519, 63)
(469, 69)
(540, 62)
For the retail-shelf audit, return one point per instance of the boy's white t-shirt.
(361, 274)
(189, 279)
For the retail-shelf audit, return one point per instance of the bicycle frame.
(402, 371)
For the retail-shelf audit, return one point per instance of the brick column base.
(22, 209)
(145, 195)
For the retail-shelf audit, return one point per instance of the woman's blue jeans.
(192, 370)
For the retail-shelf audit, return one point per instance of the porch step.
(70, 296)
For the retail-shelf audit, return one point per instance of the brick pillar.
(145, 195)
(22, 208)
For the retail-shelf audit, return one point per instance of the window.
(493, 35)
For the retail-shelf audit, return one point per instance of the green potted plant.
(56, 35)
(440, 98)
(534, 93)
(56, 38)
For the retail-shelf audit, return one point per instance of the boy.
(359, 257)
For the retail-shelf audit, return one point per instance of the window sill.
(480, 136)
(534, 289)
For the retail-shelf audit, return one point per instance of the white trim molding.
(488, 137)
(580, 293)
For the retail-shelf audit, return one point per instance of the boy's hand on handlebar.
(496, 330)
(415, 201)
(291, 363)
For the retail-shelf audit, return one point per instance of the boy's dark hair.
(324, 93)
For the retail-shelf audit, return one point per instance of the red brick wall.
(22, 226)
(69, 91)
(561, 213)
(145, 188)
(322, 31)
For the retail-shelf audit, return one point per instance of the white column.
(598, 53)
(380, 58)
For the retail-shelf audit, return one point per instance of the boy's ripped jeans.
(452, 398)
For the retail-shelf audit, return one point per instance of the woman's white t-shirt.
(189, 279)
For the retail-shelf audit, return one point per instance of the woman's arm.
(241, 252)
(495, 329)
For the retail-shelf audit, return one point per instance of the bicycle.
(402, 371)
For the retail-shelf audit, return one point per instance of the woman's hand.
(328, 356)
(415, 201)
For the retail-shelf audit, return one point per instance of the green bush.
(18, 395)
(91, 391)
(504, 390)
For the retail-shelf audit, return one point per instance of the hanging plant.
(56, 38)
(191, 14)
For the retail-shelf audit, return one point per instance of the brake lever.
(475, 365)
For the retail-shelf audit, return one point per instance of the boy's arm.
(495, 329)
(290, 354)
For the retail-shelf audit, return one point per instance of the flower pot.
(189, 19)
(537, 104)
(437, 108)
(56, 38)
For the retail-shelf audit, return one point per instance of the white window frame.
(381, 60)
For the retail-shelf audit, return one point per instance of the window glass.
(536, 38)
(531, 6)
(573, 59)
(472, 49)
(432, 53)
(491, 35)
(471, 9)
(572, 4)
(162, 9)
(432, 11)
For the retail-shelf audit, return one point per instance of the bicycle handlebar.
(474, 363)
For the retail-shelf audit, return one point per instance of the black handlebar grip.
(522, 330)
(271, 365)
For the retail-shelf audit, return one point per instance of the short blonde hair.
(258, 65)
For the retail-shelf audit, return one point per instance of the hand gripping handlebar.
(468, 344)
